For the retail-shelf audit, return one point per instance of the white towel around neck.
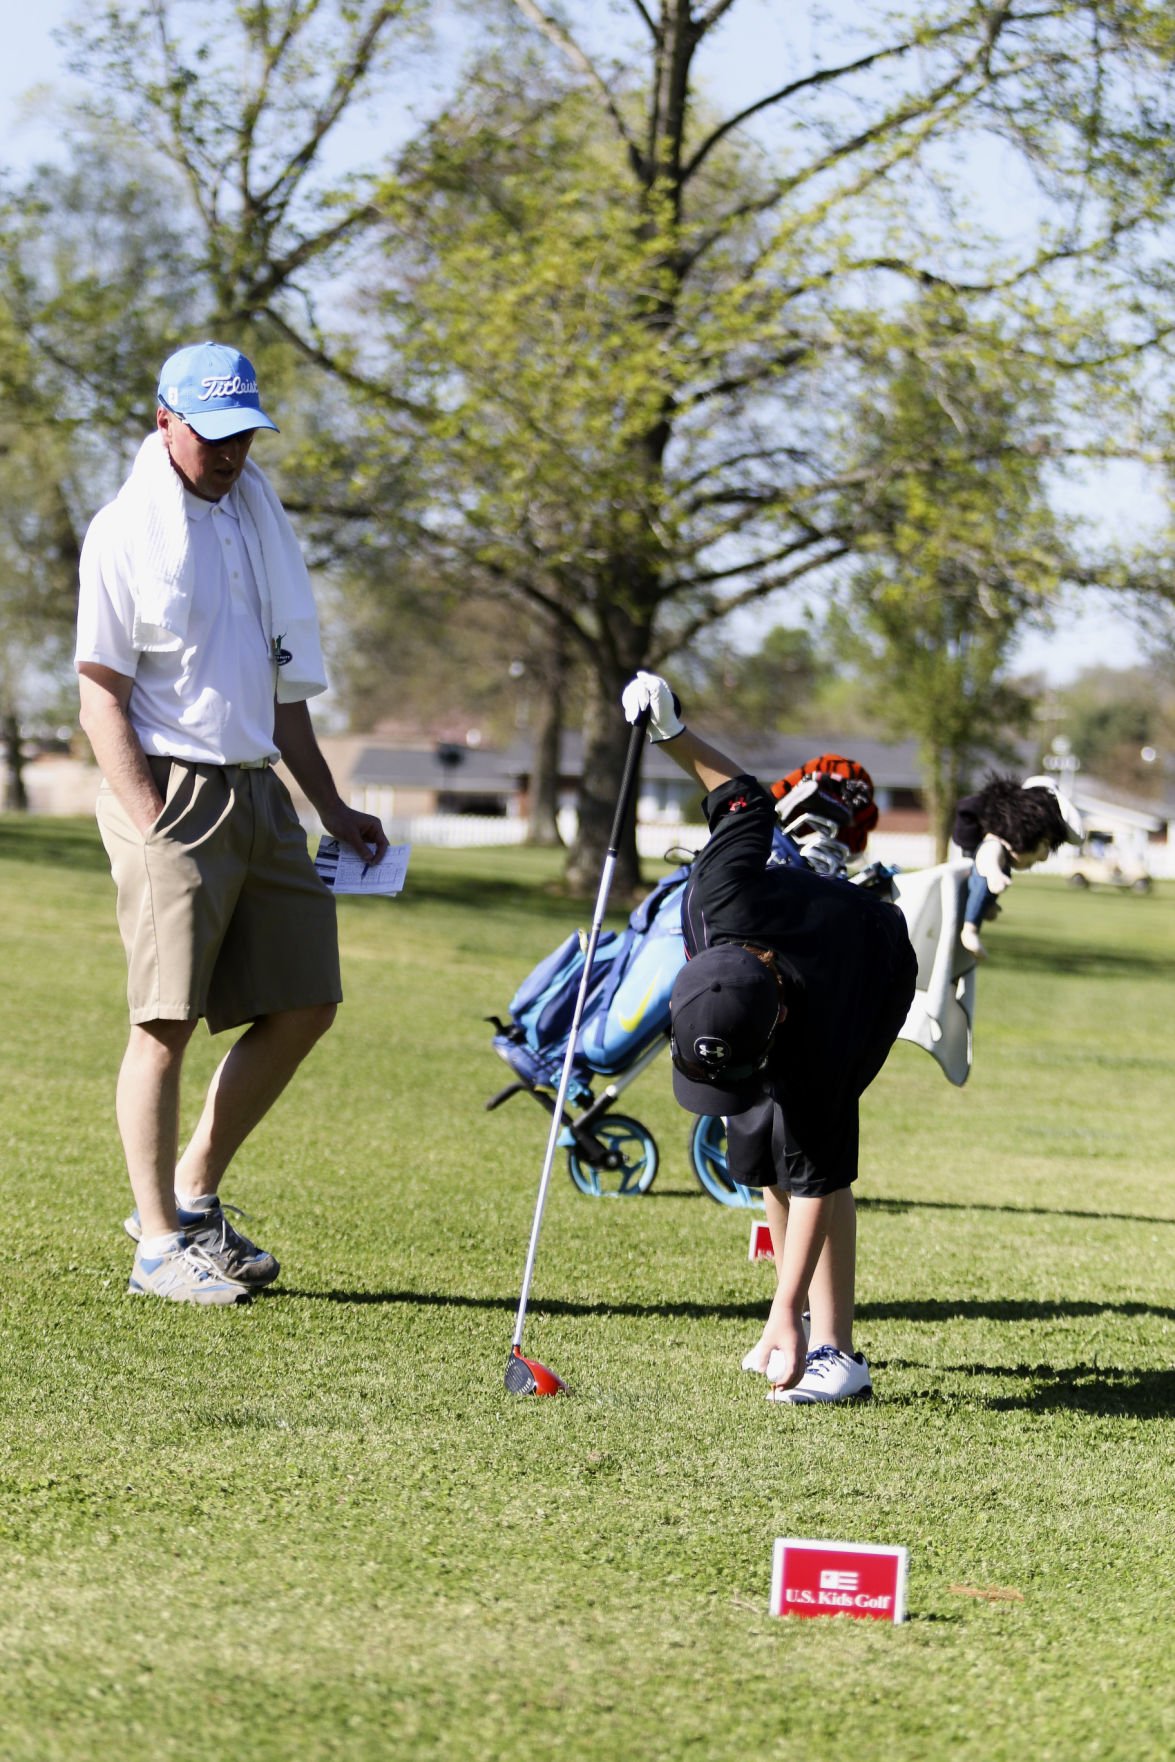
(162, 574)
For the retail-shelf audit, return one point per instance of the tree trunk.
(16, 800)
(605, 744)
(944, 773)
(544, 776)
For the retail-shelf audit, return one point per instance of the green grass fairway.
(319, 1528)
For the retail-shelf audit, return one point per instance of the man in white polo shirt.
(197, 651)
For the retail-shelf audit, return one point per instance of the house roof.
(494, 771)
(472, 770)
(1098, 800)
(891, 764)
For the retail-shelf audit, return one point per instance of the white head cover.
(1074, 824)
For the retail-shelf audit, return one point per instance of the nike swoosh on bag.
(628, 1023)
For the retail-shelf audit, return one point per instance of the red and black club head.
(526, 1376)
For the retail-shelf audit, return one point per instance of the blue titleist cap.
(214, 389)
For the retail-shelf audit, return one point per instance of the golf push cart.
(825, 813)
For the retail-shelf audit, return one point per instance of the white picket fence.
(656, 839)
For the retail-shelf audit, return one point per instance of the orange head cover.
(848, 784)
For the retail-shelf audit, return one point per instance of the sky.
(34, 65)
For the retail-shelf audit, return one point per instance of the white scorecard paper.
(342, 871)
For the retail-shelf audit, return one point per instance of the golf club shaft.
(624, 802)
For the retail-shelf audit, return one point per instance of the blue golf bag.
(624, 1026)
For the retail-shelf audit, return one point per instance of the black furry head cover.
(1023, 818)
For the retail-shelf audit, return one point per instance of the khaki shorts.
(219, 908)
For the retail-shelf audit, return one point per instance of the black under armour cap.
(723, 1014)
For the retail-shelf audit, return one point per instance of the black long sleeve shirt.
(849, 972)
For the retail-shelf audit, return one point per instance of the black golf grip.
(628, 781)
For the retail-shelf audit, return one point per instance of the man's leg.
(147, 1107)
(245, 1086)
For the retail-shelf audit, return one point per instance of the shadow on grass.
(509, 1305)
(74, 843)
(865, 1203)
(1007, 1309)
(898, 1206)
(1091, 960)
(1091, 1388)
(55, 843)
(913, 1309)
(1109, 1391)
(476, 892)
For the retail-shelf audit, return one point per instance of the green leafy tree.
(963, 547)
(614, 337)
(38, 590)
(1120, 724)
(91, 275)
(635, 334)
(776, 686)
(245, 102)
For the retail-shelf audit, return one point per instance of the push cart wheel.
(630, 1161)
(707, 1154)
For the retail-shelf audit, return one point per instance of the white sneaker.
(829, 1375)
(185, 1274)
(969, 937)
(754, 1360)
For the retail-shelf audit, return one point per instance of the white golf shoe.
(829, 1375)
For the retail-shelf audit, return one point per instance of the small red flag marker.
(838, 1578)
(760, 1248)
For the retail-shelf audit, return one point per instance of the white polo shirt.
(209, 700)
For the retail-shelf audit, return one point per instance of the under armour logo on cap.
(724, 1011)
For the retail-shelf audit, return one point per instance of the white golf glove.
(990, 859)
(648, 691)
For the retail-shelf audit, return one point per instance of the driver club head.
(526, 1376)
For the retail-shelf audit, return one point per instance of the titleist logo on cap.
(227, 386)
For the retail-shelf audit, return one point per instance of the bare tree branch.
(684, 634)
(341, 93)
(643, 12)
(571, 51)
(820, 77)
(376, 389)
(710, 18)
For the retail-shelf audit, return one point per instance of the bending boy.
(794, 991)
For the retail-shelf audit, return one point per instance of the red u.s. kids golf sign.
(760, 1245)
(838, 1578)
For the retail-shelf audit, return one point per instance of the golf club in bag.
(526, 1376)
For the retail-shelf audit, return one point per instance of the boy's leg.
(775, 1204)
(832, 1286)
(832, 1291)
